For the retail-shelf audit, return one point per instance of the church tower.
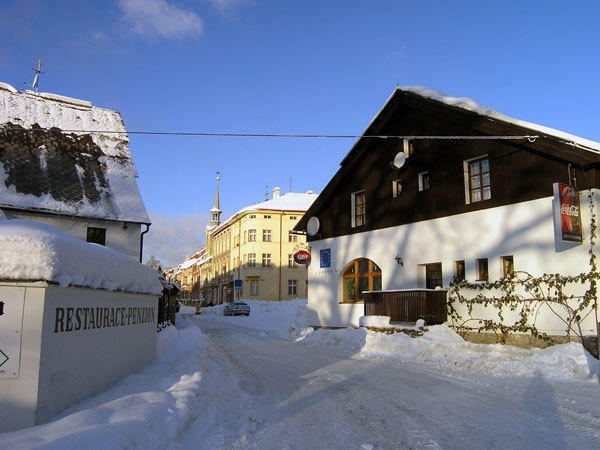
(215, 212)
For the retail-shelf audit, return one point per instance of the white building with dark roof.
(66, 162)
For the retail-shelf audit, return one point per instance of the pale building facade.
(256, 245)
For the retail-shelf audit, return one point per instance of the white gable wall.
(524, 230)
(125, 241)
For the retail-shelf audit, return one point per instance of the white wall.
(61, 367)
(125, 241)
(525, 230)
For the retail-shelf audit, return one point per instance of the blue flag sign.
(325, 258)
(237, 285)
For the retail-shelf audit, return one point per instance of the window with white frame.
(254, 287)
(266, 260)
(292, 287)
(251, 235)
(358, 208)
(293, 237)
(291, 261)
(267, 235)
(251, 259)
(477, 180)
(423, 178)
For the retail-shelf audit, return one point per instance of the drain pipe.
(142, 239)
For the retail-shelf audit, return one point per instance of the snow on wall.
(525, 230)
(120, 199)
(33, 251)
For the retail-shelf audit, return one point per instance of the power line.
(284, 135)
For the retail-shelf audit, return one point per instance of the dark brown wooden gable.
(520, 170)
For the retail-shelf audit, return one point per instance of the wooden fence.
(407, 305)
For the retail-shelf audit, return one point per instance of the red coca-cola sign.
(570, 215)
(302, 257)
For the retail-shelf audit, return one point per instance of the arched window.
(361, 275)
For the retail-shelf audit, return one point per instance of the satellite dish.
(399, 160)
(312, 227)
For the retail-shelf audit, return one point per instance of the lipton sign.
(302, 257)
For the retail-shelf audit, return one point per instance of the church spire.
(215, 211)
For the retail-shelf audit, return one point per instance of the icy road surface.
(276, 393)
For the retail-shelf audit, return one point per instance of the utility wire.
(282, 135)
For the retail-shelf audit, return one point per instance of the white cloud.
(160, 18)
(224, 6)
(172, 237)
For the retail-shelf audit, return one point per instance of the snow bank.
(287, 318)
(145, 410)
(440, 348)
(37, 251)
(184, 309)
(374, 321)
(443, 349)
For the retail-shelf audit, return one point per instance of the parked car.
(236, 309)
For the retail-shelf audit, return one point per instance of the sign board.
(12, 300)
(237, 285)
(302, 257)
(567, 200)
(325, 258)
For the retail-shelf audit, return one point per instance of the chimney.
(276, 192)
(310, 192)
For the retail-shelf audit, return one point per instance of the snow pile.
(374, 321)
(145, 410)
(443, 349)
(35, 251)
(287, 318)
(184, 309)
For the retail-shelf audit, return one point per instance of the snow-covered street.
(290, 395)
(269, 381)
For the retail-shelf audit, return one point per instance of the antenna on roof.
(266, 192)
(37, 72)
(290, 184)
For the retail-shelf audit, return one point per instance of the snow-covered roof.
(292, 201)
(34, 251)
(53, 159)
(471, 105)
(198, 258)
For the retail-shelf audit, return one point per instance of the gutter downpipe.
(142, 239)
(280, 249)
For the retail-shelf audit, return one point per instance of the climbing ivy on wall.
(572, 298)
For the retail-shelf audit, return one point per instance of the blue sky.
(305, 66)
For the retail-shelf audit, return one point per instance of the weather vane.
(37, 72)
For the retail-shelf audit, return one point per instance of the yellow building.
(256, 245)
